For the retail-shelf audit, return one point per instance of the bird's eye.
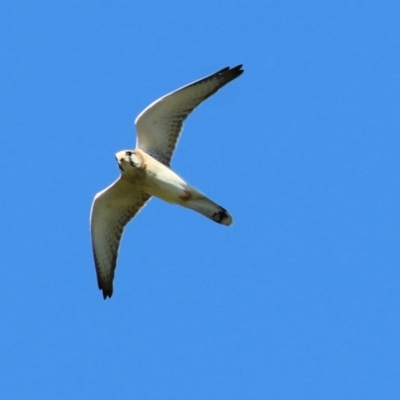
(129, 153)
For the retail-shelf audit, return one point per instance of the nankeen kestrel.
(146, 172)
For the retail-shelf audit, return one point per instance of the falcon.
(145, 172)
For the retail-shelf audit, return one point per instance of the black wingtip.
(106, 288)
(238, 67)
(238, 70)
(228, 74)
(107, 293)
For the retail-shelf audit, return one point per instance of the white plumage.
(146, 172)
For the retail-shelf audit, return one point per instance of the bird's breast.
(135, 176)
(165, 184)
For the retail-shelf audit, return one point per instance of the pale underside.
(158, 129)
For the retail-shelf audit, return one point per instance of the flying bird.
(145, 172)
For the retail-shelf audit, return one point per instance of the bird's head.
(126, 159)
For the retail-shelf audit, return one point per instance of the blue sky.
(300, 298)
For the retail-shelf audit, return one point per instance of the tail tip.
(223, 217)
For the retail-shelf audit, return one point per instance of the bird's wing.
(112, 209)
(159, 125)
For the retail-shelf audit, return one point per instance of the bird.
(146, 172)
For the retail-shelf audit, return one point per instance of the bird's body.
(152, 177)
(146, 172)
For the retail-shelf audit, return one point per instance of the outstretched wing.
(159, 125)
(112, 209)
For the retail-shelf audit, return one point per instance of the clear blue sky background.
(300, 298)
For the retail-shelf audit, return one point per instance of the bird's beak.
(119, 164)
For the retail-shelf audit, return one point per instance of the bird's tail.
(209, 209)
